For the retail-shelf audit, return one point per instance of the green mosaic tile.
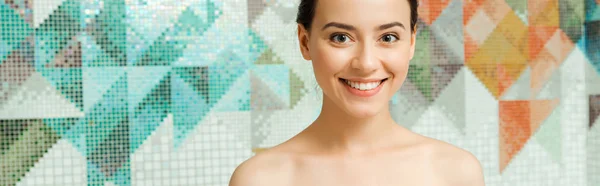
(188, 106)
(11, 131)
(23, 8)
(419, 68)
(162, 52)
(109, 31)
(256, 45)
(171, 44)
(25, 151)
(420, 75)
(223, 74)
(297, 89)
(107, 114)
(572, 18)
(268, 58)
(196, 77)
(275, 78)
(518, 5)
(422, 57)
(56, 32)
(123, 174)
(14, 29)
(592, 9)
(61, 126)
(4, 50)
(68, 81)
(592, 44)
(151, 111)
(95, 177)
(112, 152)
(158, 98)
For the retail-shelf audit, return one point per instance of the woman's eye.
(340, 38)
(389, 38)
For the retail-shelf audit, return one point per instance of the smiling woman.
(360, 53)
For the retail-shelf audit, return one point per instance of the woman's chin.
(362, 111)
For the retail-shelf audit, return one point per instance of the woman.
(360, 51)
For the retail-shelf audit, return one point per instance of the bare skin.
(355, 141)
(411, 160)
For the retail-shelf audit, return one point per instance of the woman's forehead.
(362, 12)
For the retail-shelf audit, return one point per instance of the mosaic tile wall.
(168, 92)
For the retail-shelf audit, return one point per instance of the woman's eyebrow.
(390, 25)
(352, 28)
(339, 25)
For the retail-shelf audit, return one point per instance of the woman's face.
(360, 52)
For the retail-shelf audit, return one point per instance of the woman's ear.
(413, 42)
(303, 41)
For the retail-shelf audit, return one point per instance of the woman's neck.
(335, 130)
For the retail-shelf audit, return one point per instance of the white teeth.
(363, 86)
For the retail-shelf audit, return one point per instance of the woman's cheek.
(331, 59)
(397, 63)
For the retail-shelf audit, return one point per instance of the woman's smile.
(363, 88)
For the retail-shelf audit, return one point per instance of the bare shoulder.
(455, 165)
(270, 167)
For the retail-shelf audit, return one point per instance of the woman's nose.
(366, 59)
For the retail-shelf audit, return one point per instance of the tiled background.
(170, 92)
